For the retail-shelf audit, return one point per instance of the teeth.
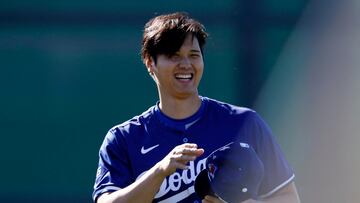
(183, 76)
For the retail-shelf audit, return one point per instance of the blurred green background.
(70, 70)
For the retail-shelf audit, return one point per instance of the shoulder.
(220, 107)
(132, 125)
(223, 112)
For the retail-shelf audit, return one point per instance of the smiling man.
(177, 76)
(156, 156)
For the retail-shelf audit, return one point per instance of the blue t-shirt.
(133, 147)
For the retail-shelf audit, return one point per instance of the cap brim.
(202, 185)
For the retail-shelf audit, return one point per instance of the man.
(156, 156)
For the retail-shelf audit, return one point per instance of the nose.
(185, 62)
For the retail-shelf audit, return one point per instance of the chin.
(187, 94)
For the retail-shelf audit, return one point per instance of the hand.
(212, 199)
(178, 158)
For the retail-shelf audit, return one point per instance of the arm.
(145, 188)
(288, 194)
(142, 190)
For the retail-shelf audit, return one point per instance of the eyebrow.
(191, 50)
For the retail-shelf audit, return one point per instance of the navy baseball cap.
(233, 173)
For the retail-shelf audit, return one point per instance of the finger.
(212, 199)
(193, 151)
(188, 145)
(205, 201)
(183, 158)
(188, 151)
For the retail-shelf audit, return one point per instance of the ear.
(150, 65)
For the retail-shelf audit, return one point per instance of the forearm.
(142, 190)
(145, 188)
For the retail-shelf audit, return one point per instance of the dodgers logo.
(212, 169)
(180, 180)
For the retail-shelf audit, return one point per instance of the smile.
(188, 76)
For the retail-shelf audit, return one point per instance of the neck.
(180, 108)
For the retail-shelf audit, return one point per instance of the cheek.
(200, 75)
(162, 68)
(200, 67)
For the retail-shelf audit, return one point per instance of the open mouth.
(184, 77)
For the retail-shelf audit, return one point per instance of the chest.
(152, 145)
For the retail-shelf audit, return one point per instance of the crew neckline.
(180, 124)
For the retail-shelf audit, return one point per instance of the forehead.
(190, 41)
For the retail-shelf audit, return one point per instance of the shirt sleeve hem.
(277, 188)
(104, 190)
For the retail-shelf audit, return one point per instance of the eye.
(194, 55)
(175, 57)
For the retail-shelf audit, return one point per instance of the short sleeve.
(113, 171)
(277, 171)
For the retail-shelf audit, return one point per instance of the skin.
(179, 98)
(177, 78)
(145, 188)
